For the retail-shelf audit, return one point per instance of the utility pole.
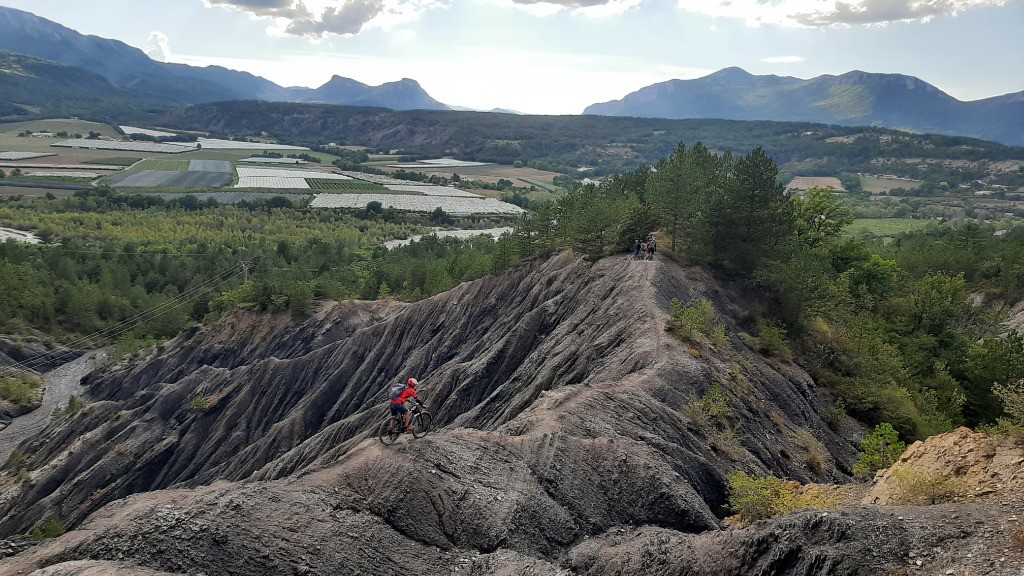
(245, 269)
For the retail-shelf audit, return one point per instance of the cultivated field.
(162, 165)
(129, 130)
(61, 125)
(120, 145)
(876, 185)
(176, 179)
(233, 197)
(14, 156)
(437, 163)
(885, 226)
(283, 161)
(273, 182)
(808, 182)
(451, 205)
(491, 173)
(541, 184)
(247, 171)
(217, 144)
(343, 185)
(432, 190)
(209, 166)
(386, 180)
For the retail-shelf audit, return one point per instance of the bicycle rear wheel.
(389, 432)
(421, 424)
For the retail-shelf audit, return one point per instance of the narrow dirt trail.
(60, 384)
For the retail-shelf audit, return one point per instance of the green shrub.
(699, 320)
(925, 488)
(74, 405)
(772, 340)
(835, 414)
(21, 389)
(201, 403)
(880, 449)
(52, 527)
(760, 498)
(712, 407)
(1012, 397)
(16, 461)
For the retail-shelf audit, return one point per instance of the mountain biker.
(651, 247)
(400, 395)
(639, 249)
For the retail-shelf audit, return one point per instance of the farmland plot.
(342, 185)
(216, 144)
(24, 155)
(161, 165)
(129, 130)
(235, 197)
(277, 182)
(438, 163)
(67, 174)
(152, 178)
(382, 179)
(130, 146)
(260, 160)
(209, 166)
(451, 205)
(245, 172)
(56, 166)
(432, 190)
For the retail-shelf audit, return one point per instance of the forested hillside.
(113, 259)
(36, 88)
(886, 326)
(566, 143)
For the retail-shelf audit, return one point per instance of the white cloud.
(349, 18)
(593, 8)
(783, 59)
(265, 8)
(320, 18)
(158, 47)
(828, 13)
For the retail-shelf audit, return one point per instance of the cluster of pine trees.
(886, 326)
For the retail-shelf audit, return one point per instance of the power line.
(128, 324)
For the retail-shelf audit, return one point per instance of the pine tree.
(753, 216)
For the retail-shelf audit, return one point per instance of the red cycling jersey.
(405, 396)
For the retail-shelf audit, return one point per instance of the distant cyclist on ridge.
(401, 394)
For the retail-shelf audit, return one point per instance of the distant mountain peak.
(855, 98)
(128, 67)
(731, 72)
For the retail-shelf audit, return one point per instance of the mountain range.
(131, 70)
(852, 99)
(71, 68)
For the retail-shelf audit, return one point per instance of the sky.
(559, 56)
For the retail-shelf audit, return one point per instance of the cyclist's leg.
(404, 412)
(397, 413)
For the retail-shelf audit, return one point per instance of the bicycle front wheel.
(421, 424)
(389, 432)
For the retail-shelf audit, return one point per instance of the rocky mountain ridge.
(855, 98)
(565, 409)
(571, 440)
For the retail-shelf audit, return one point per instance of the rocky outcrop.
(565, 410)
(979, 463)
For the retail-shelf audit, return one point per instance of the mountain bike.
(394, 426)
